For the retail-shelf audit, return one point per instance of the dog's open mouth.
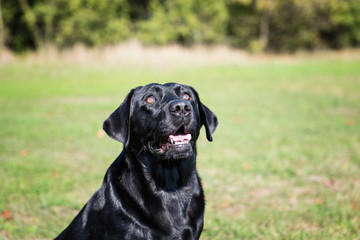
(179, 141)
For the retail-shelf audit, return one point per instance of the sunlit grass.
(284, 164)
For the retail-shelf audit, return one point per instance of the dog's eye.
(186, 97)
(150, 99)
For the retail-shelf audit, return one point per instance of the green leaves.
(280, 25)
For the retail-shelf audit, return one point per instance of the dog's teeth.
(174, 142)
(179, 142)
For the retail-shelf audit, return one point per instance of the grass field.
(284, 164)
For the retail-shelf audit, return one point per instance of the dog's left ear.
(207, 117)
(117, 124)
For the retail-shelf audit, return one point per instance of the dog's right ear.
(117, 124)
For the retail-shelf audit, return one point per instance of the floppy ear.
(207, 117)
(117, 124)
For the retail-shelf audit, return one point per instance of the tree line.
(257, 25)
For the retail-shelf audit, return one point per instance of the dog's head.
(164, 120)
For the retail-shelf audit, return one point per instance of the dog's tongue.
(180, 138)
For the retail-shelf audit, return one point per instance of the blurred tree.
(138, 10)
(186, 22)
(93, 22)
(212, 17)
(266, 7)
(294, 26)
(275, 25)
(340, 23)
(2, 30)
(243, 22)
(31, 22)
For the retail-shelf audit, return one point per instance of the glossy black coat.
(152, 190)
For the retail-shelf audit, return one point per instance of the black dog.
(152, 190)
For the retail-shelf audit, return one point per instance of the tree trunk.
(265, 25)
(2, 30)
(30, 19)
(253, 4)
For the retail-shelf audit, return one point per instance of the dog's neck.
(174, 174)
(166, 175)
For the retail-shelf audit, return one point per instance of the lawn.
(284, 163)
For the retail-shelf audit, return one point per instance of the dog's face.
(164, 120)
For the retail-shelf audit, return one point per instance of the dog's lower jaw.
(171, 152)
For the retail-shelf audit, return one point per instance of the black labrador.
(152, 190)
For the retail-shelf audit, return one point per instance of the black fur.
(152, 190)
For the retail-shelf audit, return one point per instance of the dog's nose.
(180, 108)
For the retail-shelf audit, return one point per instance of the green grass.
(284, 164)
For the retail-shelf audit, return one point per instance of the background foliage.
(275, 25)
